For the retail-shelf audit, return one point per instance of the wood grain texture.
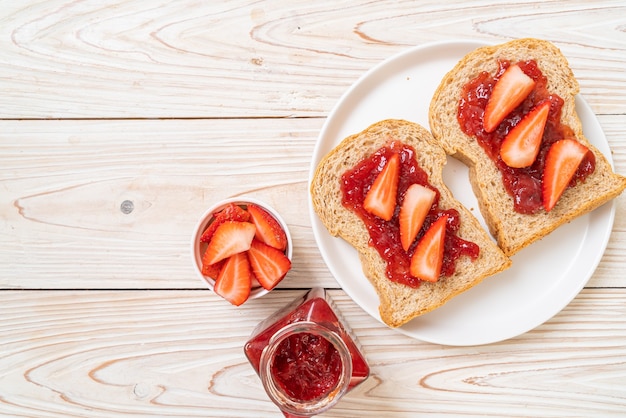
(143, 59)
(63, 184)
(171, 353)
(175, 105)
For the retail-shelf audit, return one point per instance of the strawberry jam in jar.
(306, 357)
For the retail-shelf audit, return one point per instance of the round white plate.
(544, 277)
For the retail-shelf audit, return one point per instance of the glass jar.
(305, 355)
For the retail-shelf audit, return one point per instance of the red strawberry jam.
(306, 366)
(385, 235)
(523, 184)
(306, 356)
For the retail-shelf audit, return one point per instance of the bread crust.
(400, 303)
(514, 231)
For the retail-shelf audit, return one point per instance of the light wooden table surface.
(173, 105)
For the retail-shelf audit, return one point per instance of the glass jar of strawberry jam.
(306, 357)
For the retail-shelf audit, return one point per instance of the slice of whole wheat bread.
(400, 303)
(512, 230)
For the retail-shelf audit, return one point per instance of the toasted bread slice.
(512, 230)
(400, 303)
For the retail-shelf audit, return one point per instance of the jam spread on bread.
(369, 177)
(519, 140)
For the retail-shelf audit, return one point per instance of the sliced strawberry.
(234, 281)
(380, 200)
(230, 238)
(212, 270)
(510, 90)
(427, 260)
(562, 161)
(269, 265)
(268, 229)
(231, 212)
(521, 145)
(255, 281)
(417, 202)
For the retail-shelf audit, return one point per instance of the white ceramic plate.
(544, 277)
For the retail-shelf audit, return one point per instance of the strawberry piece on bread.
(380, 200)
(509, 91)
(562, 161)
(234, 282)
(269, 265)
(416, 204)
(427, 259)
(521, 145)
